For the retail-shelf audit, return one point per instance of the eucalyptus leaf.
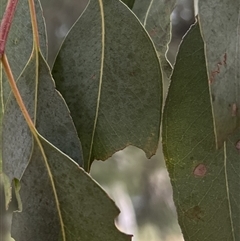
(48, 111)
(155, 17)
(220, 26)
(20, 40)
(62, 202)
(205, 180)
(19, 48)
(108, 72)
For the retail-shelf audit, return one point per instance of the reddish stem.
(6, 24)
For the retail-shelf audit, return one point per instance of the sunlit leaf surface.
(205, 180)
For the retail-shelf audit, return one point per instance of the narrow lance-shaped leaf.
(52, 212)
(220, 26)
(205, 180)
(19, 43)
(48, 111)
(19, 47)
(108, 72)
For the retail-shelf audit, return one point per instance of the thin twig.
(6, 24)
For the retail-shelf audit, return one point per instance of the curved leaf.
(220, 25)
(20, 40)
(205, 180)
(19, 48)
(87, 215)
(48, 111)
(108, 72)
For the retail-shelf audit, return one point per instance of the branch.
(6, 24)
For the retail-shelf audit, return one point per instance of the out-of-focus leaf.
(48, 111)
(155, 16)
(205, 180)
(62, 202)
(109, 74)
(220, 26)
(20, 39)
(129, 3)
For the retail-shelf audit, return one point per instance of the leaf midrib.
(100, 83)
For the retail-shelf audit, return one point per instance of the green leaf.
(205, 180)
(49, 113)
(19, 48)
(129, 3)
(220, 26)
(62, 202)
(20, 40)
(108, 72)
(155, 16)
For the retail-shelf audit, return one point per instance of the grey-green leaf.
(205, 180)
(79, 210)
(220, 26)
(19, 47)
(108, 72)
(48, 111)
(20, 40)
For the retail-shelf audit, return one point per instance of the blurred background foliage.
(140, 187)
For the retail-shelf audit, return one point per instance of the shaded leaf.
(220, 25)
(48, 111)
(155, 16)
(129, 3)
(79, 210)
(108, 72)
(205, 180)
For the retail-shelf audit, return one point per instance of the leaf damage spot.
(200, 170)
(217, 70)
(238, 145)
(195, 213)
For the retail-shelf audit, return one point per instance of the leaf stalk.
(6, 24)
